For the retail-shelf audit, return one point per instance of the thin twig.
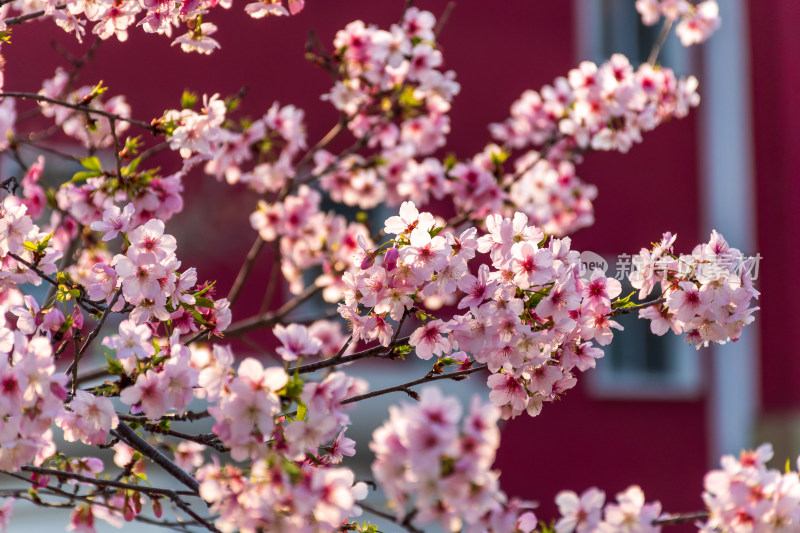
(675, 519)
(274, 274)
(132, 439)
(448, 10)
(86, 304)
(78, 107)
(377, 351)
(406, 524)
(73, 367)
(632, 308)
(662, 38)
(103, 482)
(117, 149)
(188, 416)
(29, 16)
(71, 497)
(267, 319)
(406, 387)
(244, 272)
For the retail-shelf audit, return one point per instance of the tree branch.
(73, 367)
(376, 351)
(675, 519)
(406, 387)
(659, 44)
(104, 482)
(244, 272)
(268, 319)
(132, 439)
(78, 107)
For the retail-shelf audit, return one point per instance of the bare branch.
(78, 107)
(132, 439)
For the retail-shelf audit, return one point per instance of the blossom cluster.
(707, 297)
(745, 495)
(309, 237)
(32, 396)
(115, 19)
(598, 107)
(426, 456)
(529, 316)
(88, 129)
(396, 69)
(94, 190)
(278, 495)
(292, 483)
(590, 513)
(696, 22)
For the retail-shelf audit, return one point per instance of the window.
(606, 27)
(637, 364)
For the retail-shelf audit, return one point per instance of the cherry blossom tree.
(495, 292)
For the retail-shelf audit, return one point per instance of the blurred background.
(656, 412)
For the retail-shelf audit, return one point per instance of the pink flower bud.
(390, 260)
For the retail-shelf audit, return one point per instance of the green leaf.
(450, 161)
(313, 458)
(205, 289)
(302, 410)
(92, 163)
(188, 99)
(404, 349)
(132, 166)
(98, 89)
(621, 303)
(114, 366)
(82, 176)
(204, 302)
(198, 317)
(499, 157)
(408, 99)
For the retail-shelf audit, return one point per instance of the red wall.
(776, 124)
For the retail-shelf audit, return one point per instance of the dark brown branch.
(104, 482)
(73, 367)
(406, 387)
(132, 439)
(86, 304)
(72, 497)
(376, 351)
(675, 519)
(274, 275)
(406, 524)
(78, 107)
(188, 416)
(268, 319)
(173, 495)
(244, 272)
(29, 16)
